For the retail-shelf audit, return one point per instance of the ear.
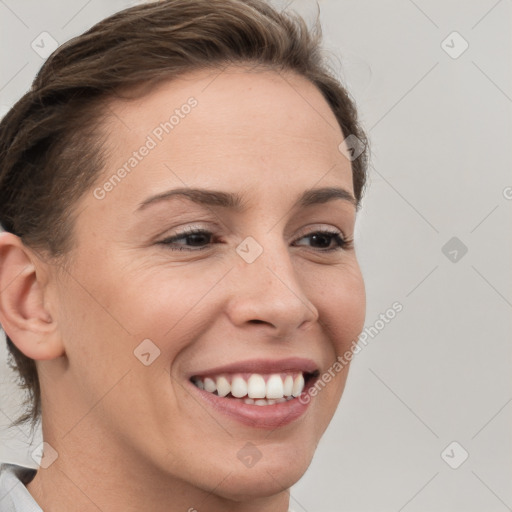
(24, 303)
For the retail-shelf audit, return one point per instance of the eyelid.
(303, 232)
(191, 228)
(315, 228)
(215, 237)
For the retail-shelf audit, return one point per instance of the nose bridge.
(269, 289)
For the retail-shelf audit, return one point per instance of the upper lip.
(263, 366)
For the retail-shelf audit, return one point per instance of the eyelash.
(341, 243)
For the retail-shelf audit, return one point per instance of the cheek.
(339, 295)
(341, 302)
(146, 293)
(94, 334)
(169, 305)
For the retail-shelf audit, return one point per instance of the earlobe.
(23, 314)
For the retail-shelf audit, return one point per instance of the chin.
(278, 469)
(249, 486)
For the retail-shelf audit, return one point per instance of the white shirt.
(14, 496)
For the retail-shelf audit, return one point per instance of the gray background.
(440, 130)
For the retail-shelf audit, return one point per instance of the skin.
(129, 436)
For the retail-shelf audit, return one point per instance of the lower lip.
(257, 416)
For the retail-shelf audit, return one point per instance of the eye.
(324, 241)
(191, 240)
(200, 239)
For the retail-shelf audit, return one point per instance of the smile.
(261, 394)
(254, 388)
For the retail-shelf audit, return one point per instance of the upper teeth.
(255, 385)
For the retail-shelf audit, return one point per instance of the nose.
(269, 293)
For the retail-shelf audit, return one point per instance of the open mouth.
(256, 388)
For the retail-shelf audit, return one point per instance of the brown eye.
(323, 240)
(198, 239)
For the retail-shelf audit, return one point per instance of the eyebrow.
(235, 201)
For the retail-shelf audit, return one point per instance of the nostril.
(257, 321)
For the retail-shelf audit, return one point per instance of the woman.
(178, 274)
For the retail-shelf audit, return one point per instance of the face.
(221, 258)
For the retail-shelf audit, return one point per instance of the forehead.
(240, 93)
(227, 127)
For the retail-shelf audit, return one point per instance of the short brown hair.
(50, 149)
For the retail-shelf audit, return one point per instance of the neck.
(60, 490)
(93, 480)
